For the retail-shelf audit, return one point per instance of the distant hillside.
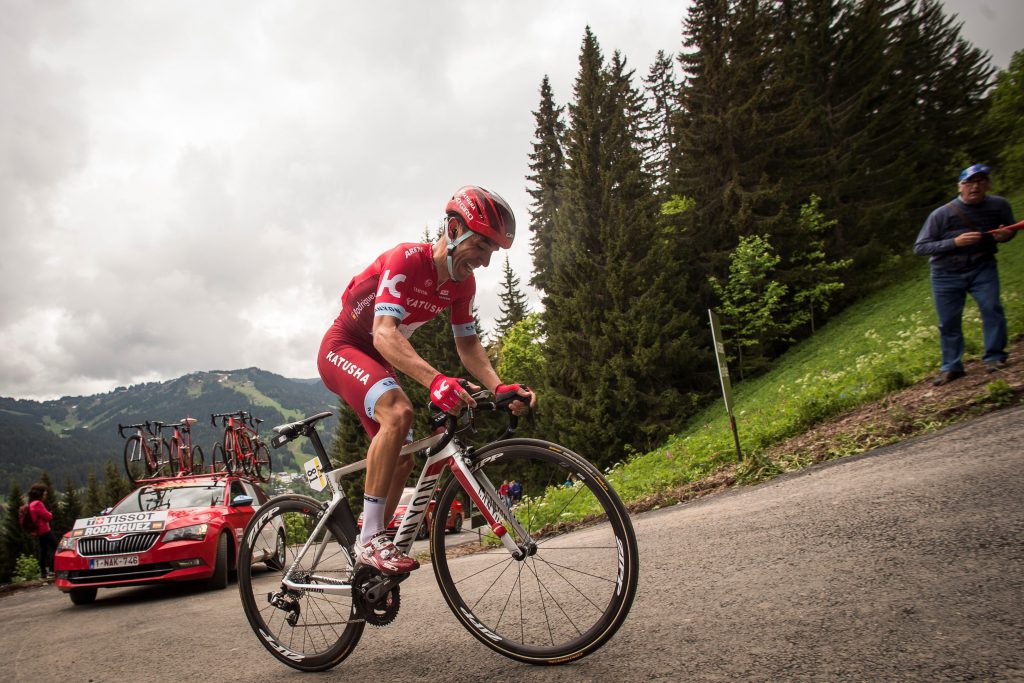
(68, 436)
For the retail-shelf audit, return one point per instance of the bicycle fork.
(494, 510)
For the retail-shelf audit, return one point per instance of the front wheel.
(305, 628)
(198, 466)
(221, 462)
(135, 465)
(573, 589)
(262, 463)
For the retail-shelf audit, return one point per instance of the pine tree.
(115, 485)
(513, 303)
(752, 299)
(1003, 122)
(93, 496)
(68, 511)
(13, 541)
(814, 280)
(546, 163)
(348, 446)
(660, 114)
(615, 351)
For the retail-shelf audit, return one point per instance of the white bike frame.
(482, 492)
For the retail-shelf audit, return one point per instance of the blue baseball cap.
(973, 171)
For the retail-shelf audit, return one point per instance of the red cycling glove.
(444, 392)
(505, 388)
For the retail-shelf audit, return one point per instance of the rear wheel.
(573, 588)
(262, 465)
(221, 463)
(135, 459)
(160, 465)
(198, 466)
(307, 629)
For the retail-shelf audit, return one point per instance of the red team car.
(453, 524)
(167, 530)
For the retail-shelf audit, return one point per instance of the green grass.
(880, 344)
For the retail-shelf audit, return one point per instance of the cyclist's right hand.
(447, 393)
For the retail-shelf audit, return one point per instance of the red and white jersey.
(402, 282)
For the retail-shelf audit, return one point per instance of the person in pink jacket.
(41, 516)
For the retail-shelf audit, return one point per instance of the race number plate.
(315, 475)
(111, 562)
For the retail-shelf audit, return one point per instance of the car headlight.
(196, 532)
(66, 543)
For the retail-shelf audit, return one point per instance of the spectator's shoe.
(996, 365)
(381, 554)
(947, 377)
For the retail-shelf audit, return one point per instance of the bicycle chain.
(384, 611)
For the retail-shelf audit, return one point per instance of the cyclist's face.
(473, 253)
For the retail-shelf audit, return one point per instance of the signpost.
(723, 376)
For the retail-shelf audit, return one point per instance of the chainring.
(383, 611)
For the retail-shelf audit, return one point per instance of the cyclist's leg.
(386, 470)
(365, 381)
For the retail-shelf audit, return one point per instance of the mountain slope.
(69, 436)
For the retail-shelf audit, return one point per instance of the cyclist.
(382, 306)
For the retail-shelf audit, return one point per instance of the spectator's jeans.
(950, 290)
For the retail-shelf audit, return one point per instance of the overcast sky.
(190, 185)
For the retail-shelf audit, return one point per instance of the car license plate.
(111, 562)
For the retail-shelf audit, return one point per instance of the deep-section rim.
(603, 628)
(352, 632)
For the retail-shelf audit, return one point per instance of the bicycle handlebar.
(147, 425)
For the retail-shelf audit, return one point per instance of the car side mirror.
(241, 500)
(105, 511)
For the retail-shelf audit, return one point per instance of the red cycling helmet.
(484, 212)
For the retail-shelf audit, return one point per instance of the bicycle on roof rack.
(186, 459)
(543, 592)
(146, 453)
(241, 449)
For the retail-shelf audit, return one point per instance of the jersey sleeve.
(397, 273)
(463, 322)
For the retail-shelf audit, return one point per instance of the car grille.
(139, 573)
(133, 543)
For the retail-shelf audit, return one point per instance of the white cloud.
(190, 185)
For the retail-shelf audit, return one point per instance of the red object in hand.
(444, 392)
(1019, 225)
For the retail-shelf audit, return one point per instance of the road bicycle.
(543, 590)
(146, 453)
(241, 449)
(185, 458)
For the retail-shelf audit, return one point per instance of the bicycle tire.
(161, 465)
(220, 461)
(262, 464)
(575, 592)
(247, 455)
(176, 463)
(198, 464)
(135, 465)
(327, 627)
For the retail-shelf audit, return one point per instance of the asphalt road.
(903, 564)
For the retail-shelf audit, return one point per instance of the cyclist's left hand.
(518, 407)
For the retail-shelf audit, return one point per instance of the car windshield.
(170, 498)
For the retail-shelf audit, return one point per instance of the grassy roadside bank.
(861, 382)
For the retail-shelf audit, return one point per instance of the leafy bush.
(25, 569)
